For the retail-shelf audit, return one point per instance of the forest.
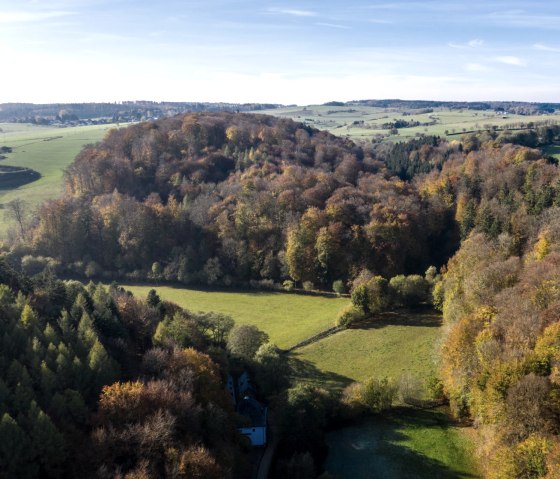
(246, 200)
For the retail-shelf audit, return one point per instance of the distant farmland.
(44, 150)
(365, 123)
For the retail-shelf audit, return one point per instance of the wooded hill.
(233, 198)
(230, 198)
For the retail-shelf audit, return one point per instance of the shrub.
(348, 316)
(435, 388)
(409, 387)
(375, 394)
(308, 286)
(288, 285)
(92, 270)
(379, 394)
(409, 290)
(438, 296)
(338, 287)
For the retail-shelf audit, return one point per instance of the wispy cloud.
(546, 48)
(332, 25)
(522, 18)
(511, 60)
(477, 42)
(474, 43)
(27, 17)
(293, 12)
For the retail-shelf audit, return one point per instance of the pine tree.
(14, 449)
(48, 444)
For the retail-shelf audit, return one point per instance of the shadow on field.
(376, 448)
(306, 371)
(421, 318)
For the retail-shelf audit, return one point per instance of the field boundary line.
(316, 337)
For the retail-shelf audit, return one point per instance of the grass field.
(406, 444)
(553, 150)
(340, 120)
(287, 319)
(49, 151)
(395, 345)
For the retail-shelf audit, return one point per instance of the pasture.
(396, 344)
(286, 318)
(365, 123)
(47, 150)
(404, 444)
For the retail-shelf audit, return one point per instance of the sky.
(289, 52)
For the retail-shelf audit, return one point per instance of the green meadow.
(404, 444)
(396, 344)
(47, 150)
(286, 318)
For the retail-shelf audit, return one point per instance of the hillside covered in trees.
(97, 383)
(233, 198)
(236, 199)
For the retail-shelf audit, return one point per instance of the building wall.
(257, 435)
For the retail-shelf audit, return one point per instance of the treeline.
(226, 199)
(97, 383)
(520, 108)
(37, 113)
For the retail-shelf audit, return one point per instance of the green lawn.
(286, 318)
(392, 346)
(47, 150)
(405, 444)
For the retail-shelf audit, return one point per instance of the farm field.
(47, 150)
(286, 318)
(346, 120)
(405, 444)
(394, 345)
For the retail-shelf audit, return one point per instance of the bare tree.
(16, 210)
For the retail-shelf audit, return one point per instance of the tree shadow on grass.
(419, 318)
(376, 448)
(305, 371)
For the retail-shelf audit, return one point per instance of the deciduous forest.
(243, 200)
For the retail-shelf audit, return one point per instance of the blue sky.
(278, 51)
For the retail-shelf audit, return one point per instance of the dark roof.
(254, 410)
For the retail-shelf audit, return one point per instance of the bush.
(409, 290)
(375, 395)
(348, 316)
(92, 270)
(308, 286)
(338, 287)
(32, 265)
(438, 296)
(379, 394)
(288, 285)
(435, 388)
(373, 296)
(409, 387)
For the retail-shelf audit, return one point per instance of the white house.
(257, 414)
